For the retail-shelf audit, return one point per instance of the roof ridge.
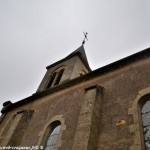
(80, 50)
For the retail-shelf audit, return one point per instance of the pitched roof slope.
(80, 52)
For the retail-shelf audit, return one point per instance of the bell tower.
(71, 67)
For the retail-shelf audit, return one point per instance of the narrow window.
(16, 127)
(52, 137)
(51, 80)
(145, 111)
(59, 75)
(9, 130)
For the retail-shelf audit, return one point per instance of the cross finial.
(85, 37)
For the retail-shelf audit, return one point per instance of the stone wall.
(110, 116)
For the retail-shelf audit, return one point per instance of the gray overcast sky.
(37, 33)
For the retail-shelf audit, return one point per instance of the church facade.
(75, 108)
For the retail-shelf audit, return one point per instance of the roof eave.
(108, 68)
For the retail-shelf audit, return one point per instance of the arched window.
(12, 124)
(52, 136)
(55, 78)
(51, 80)
(140, 127)
(145, 112)
(59, 75)
(16, 127)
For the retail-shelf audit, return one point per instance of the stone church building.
(75, 108)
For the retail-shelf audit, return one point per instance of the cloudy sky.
(37, 33)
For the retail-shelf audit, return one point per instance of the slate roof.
(80, 52)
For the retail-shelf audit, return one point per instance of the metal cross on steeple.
(85, 38)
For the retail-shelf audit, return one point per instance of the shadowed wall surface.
(94, 109)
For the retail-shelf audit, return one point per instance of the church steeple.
(72, 66)
(80, 51)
